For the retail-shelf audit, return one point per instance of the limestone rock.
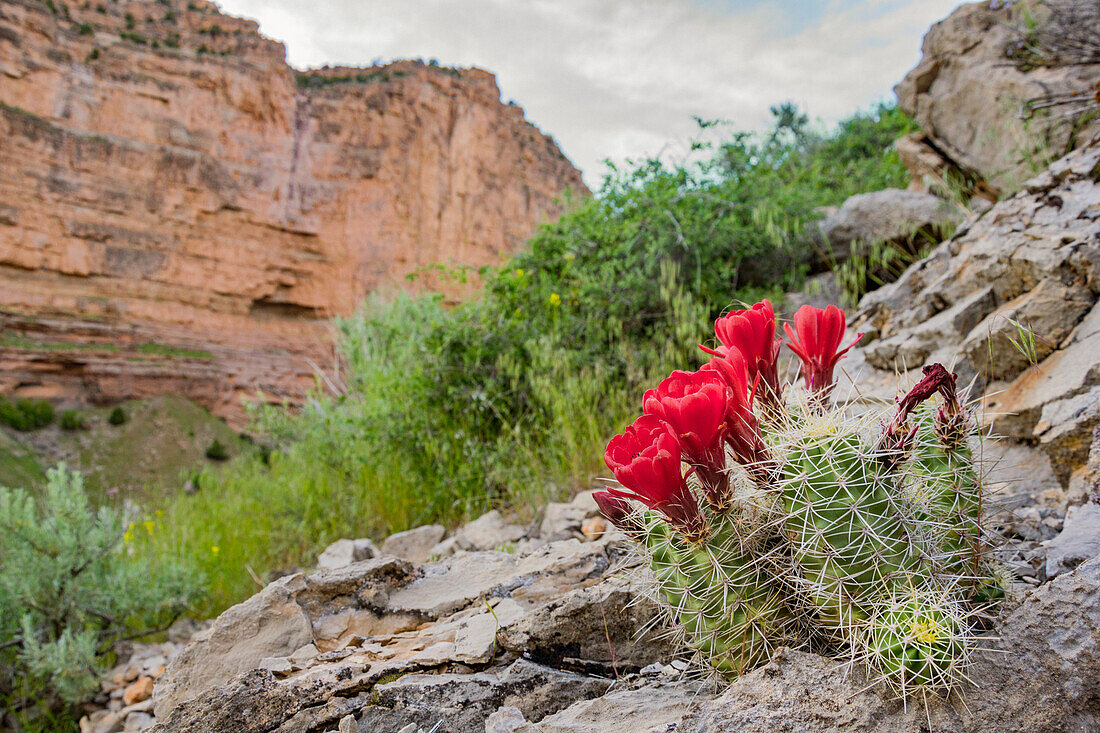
(906, 218)
(414, 545)
(269, 624)
(968, 97)
(1078, 541)
(490, 531)
(645, 709)
(464, 702)
(227, 206)
(344, 552)
(600, 626)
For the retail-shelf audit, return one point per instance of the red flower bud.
(819, 333)
(645, 459)
(620, 513)
(752, 333)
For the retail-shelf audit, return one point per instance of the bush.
(26, 414)
(216, 451)
(70, 587)
(117, 416)
(71, 420)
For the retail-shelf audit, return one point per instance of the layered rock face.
(1011, 303)
(182, 211)
(972, 100)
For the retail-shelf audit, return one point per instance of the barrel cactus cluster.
(771, 516)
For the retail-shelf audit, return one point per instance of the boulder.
(463, 702)
(269, 624)
(1078, 541)
(345, 552)
(607, 627)
(906, 219)
(490, 531)
(278, 622)
(969, 98)
(414, 545)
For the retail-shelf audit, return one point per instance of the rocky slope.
(180, 211)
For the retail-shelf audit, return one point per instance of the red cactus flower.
(645, 459)
(752, 332)
(694, 404)
(819, 333)
(742, 429)
(619, 513)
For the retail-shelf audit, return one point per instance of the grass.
(18, 464)
(143, 461)
(18, 341)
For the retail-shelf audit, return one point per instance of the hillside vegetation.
(437, 413)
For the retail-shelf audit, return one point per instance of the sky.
(623, 79)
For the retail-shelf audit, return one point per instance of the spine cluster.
(772, 518)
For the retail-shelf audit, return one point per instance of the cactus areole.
(789, 522)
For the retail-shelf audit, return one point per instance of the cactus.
(783, 521)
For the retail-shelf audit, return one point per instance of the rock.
(138, 721)
(112, 722)
(280, 620)
(1078, 541)
(904, 218)
(345, 552)
(348, 725)
(964, 83)
(269, 624)
(463, 702)
(601, 625)
(276, 665)
(414, 545)
(1027, 329)
(593, 527)
(458, 581)
(1092, 468)
(142, 689)
(507, 719)
(657, 708)
(489, 532)
(561, 521)
(214, 204)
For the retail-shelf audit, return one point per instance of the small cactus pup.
(770, 517)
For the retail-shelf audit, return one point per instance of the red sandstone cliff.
(182, 211)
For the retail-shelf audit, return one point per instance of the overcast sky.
(622, 78)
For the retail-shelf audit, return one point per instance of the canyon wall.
(181, 211)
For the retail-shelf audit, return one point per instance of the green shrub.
(26, 414)
(86, 29)
(70, 587)
(72, 420)
(117, 416)
(216, 451)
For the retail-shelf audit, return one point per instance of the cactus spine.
(801, 526)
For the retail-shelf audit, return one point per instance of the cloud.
(622, 78)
